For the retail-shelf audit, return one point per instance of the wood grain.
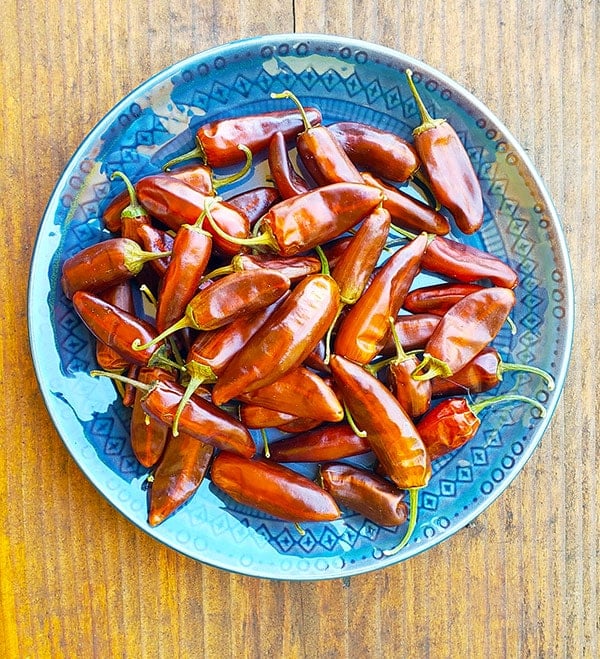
(78, 580)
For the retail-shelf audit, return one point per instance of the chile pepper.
(215, 348)
(135, 224)
(321, 152)
(254, 203)
(178, 475)
(413, 395)
(381, 151)
(197, 176)
(286, 178)
(272, 488)
(450, 172)
(319, 215)
(464, 330)
(284, 340)
(233, 296)
(258, 417)
(148, 436)
(364, 329)
(174, 203)
(217, 142)
(364, 492)
(467, 263)
(390, 431)
(300, 223)
(454, 422)
(329, 442)
(484, 372)
(115, 327)
(189, 258)
(318, 400)
(199, 419)
(407, 211)
(413, 331)
(103, 265)
(437, 298)
(356, 264)
(108, 358)
(292, 267)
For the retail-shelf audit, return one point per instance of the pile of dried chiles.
(293, 306)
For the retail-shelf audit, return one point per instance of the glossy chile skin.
(115, 327)
(152, 239)
(189, 257)
(466, 263)
(448, 167)
(357, 262)
(103, 265)
(174, 202)
(324, 444)
(287, 180)
(482, 373)
(178, 475)
(285, 339)
(254, 203)
(324, 157)
(468, 327)
(365, 328)
(384, 153)
(408, 212)
(414, 396)
(148, 436)
(215, 348)
(317, 216)
(413, 332)
(199, 419)
(451, 175)
(316, 401)
(195, 175)
(219, 140)
(272, 488)
(390, 431)
(233, 296)
(373, 496)
(292, 267)
(447, 426)
(256, 417)
(137, 225)
(437, 298)
(108, 358)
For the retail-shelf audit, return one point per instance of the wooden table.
(78, 580)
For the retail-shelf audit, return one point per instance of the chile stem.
(288, 94)
(431, 367)
(427, 121)
(121, 378)
(352, 423)
(527, 368)
(196, 152)
(135, 209)
(182, 323)
(413, 502)
(222, 181)
(505, 398)
(265, 439)
(265, 239)
(199, 374)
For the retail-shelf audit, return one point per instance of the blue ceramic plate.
(349, 80)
